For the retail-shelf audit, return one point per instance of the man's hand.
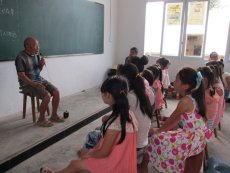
(39, 86)
(42, 62)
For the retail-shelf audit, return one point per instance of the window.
(153, 27)
(181, 28)
(218, 27)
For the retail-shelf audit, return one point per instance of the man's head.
(213, 56)
(133, 52)
(31, 46)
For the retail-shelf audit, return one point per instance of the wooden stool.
(193, 164)
(206, 157)
(166, 105)
(32, 105)
(215, 130)
(215, 133)
(164, 97)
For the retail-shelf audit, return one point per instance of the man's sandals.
(44, 123)
(46, 170)
(57, 119)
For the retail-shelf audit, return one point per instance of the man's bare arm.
(28, 81)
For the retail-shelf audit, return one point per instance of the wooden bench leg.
(33, 108)
(206, 156)
(38, 104)
(193, 164)
(24, 106)
(157, 113)
(48, 110)
(215, 132)
(166, 106)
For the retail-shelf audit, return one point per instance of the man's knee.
(55, 93)
(47, 97)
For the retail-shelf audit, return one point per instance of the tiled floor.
(17, 134)
(59, 154)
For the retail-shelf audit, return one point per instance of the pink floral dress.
(167, 151)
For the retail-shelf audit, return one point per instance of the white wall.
(77, 73)
(70, 74)
(131, 28)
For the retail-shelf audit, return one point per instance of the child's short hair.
(134, 49)
(213, 56)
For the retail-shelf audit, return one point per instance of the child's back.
(123, 156)
(140, 99)
(144, 122)
(221, 103)
(159, 98)
(211, 96)
(212, 104)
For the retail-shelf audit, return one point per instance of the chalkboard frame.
(76, 53)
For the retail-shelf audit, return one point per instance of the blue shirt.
(30, 65)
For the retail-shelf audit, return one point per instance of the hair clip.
(198, 79)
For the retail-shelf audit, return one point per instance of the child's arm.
(107, 146)
(184, 105)
(104, 118)
(219, 91)
(155, 85)
(227, 79)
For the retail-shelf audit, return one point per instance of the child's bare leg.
(74, 167)
(82, 152)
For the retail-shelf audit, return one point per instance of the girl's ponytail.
(209, 74)
(198, 93)
(196, 87)
(117, 86)
(136, 83)
(139, 90)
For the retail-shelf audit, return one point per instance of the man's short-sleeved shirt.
(29, 65)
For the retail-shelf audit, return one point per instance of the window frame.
(182, 40)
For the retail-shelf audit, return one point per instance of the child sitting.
(157, 76)
(164, 65)
(218, 84)
(116, 151)
(167, 150)
(211, 97)
(148, 80)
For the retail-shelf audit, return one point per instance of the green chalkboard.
(61, 26)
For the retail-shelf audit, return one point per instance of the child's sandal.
(46, 170)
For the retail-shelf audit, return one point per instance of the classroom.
(79, 74)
